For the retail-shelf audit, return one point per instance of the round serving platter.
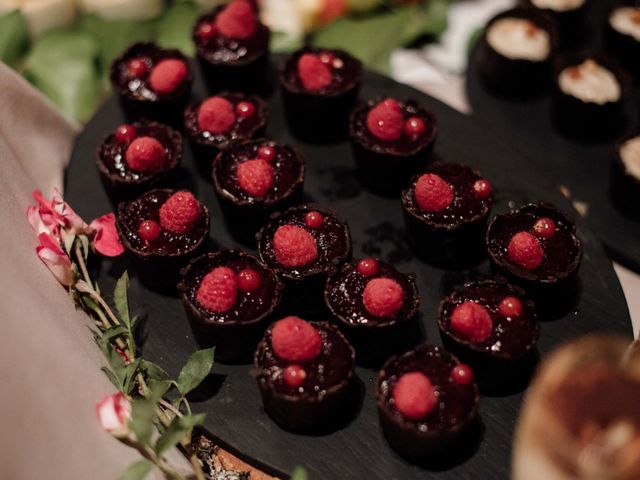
(356, 450)
(581, 169)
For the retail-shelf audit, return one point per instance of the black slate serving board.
(583, 167)
(230, 397)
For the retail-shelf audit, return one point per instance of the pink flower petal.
(55, 259)
(106, 239)
(113, 412)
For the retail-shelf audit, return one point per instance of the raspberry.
(510, 307)
(294, 376)
(383, 297)
(385, 120)
(544, 228)
(237, 20)
(145, 154)
(248, 280)
(255, 177)
(414, 396)
(368, 267)
(462, 374)
(295, 340)
(219, 290)
(432, 193)
(472, 322)
(525, 251)
(167, 76)
(314, 74)
(180, 212)
(216, 115)
(294, 246)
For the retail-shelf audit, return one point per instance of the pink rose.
(106, 240)
(55, 258)
(113, 412)
(54, 216)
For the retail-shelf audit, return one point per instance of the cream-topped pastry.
(590, 82)
(519, 39)
(630, 156)
(626, 20)
(558, 5)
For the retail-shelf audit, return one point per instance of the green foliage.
(143, 412)
(14, 37)
(174, 27)
(181, 427)
(283, 43)
(195, 370)
(138, 470)
(299, 473)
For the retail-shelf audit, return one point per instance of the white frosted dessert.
(590, 82)
(519, 39)
(630, 156)
(626, 20)
(558, 5)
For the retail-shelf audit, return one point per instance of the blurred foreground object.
(42, 15)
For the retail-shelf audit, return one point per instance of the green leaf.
(138, 470)
(160, 387)
(143, 411)
(118, 368)
(120, 299)
(428, 18)
(62, 64)
(174, 27)
(14, 37)
(363, 5)
(283, 43)
(130, 372)
(114, 332)
(474, 38)
(180, 426)
(153, 371)
(112, 378)
(299, 473)
(195, 370)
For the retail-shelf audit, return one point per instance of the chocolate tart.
(599, 112)
(122, 182)
(456, 409)
(508, 351)
(516, 52)
(320, 116)
(622, 36)
(305, 285)
(452, 236)
(236, 332)
(136, 95)
(207, 145)
(374, 337)
(225, 62)
(157, 263)
(327, 391)
(570, 16)
(385, 166)
(625, 175)
(288, 179)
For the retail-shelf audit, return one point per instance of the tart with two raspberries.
(391, 140)
(232, 46)
(227, 296)
(137, 156)
(319, 89)
(161, 230)
(304, 372)
(425, 399)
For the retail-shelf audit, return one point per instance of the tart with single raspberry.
(254, 178)
(391, 140)
(221, 121)
(152, 81)
(625, 175)
(228, 296)
(161, 230)
(426, 398)
(137, 156)
(232, 47)
(304, 372)
(319, 89)
(373, 303)
(445, 210)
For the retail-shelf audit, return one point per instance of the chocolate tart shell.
(160, 271)
(120, 189)
(625, 48)
(571, 23)
(307, 413)
(235, 341)
(625, 188)
(319, 117)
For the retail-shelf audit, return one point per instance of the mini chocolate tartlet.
(374, 304)
(625, 175)
(319, 89)
(590, 93)
(152, 82)
(623, 36)
(221, 121)
(161, 230)
(254, 178)
(232, 47)
(304, 372)
(228, 296)
(426, 398)
(304, 245)
(445, 210)
(391, 140)
(570, 16)
(516, 52)
(137, 156)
